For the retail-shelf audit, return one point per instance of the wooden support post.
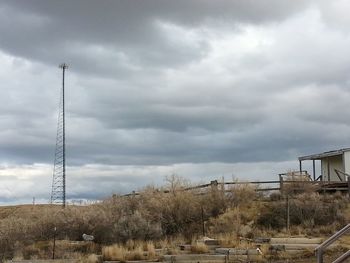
(222, 188)
(349, 186)
(281, 183)
(214, 185)
(328, 170)
(313, 169)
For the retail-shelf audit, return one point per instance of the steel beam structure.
(58, 193)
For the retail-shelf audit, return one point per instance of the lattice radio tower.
(58, 194)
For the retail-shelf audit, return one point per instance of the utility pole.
(58, 195)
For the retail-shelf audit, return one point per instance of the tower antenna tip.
(63, 65)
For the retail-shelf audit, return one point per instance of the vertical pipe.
(300, 167)
(54, 243)
(319, 255)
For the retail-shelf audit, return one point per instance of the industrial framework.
(58, 194)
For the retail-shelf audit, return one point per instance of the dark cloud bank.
(157, 85)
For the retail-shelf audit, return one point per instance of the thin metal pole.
(203, 224)
(54, 243)
(288, 215)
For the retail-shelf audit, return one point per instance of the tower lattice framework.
(58, 194)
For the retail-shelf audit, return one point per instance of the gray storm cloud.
(167, 83)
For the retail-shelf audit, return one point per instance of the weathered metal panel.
(328, 165)
(347, 162)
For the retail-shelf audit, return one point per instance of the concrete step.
(285, 247)
(237, 251)
(211, 258)
(295, 240)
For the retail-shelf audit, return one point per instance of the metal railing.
(320, 249)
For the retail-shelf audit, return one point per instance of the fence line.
(332, 186)
(216, 184)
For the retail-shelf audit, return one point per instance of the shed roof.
(319, 156)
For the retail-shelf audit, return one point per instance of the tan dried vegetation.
(162, 221)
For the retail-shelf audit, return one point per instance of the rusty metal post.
(319, 255)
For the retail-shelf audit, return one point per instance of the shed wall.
(335, 162)
(347, 162)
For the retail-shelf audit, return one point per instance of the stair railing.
(320, 249)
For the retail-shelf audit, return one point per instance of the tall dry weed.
(199, 248)
(114, 252)
(151, 251)
(93, 258)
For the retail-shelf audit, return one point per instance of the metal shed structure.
(335, 165)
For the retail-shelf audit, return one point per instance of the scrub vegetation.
(156, 222)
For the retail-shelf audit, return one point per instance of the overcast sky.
(203, 89)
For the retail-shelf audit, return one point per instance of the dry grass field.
(155, 223)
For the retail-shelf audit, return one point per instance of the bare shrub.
(179, 211)
(307, 210)
(135, 226)
(237, 221)
(294, 183)
(214, 201)
(242, 195)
